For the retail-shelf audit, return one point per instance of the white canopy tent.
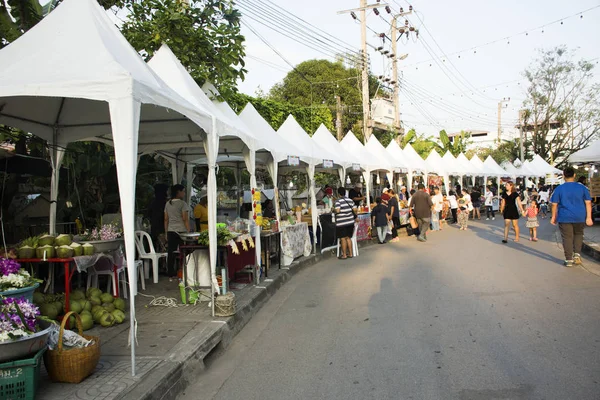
(455, 168)
(589, 155)
(541, 165)
(510, 170)
(395, 165)
(368, 162)
(436, 164)
(493, 166)
(416, 163)
(74, 76)
(323, 138)
(295, 134)
(398, 154)
(484, 169)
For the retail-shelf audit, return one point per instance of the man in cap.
(356, 194)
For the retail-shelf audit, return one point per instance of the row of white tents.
(74, 77)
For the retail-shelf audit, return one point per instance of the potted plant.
(16, 281)
(22, 332)
(104, 239)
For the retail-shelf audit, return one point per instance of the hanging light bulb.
(291, 184)
(378, 180)
(361, 179)
(348, 181)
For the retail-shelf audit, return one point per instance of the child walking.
(380, 219)
(532, 221)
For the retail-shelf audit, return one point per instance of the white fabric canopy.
(297, 136)
(416, 162)
(510, 169)
(452, 166)
(470, 169)
(526, 170)
(495, 168)
(74, 76)
(377, 149)
(541, 165)
(325, 139)
(354, 147)
(590, 154)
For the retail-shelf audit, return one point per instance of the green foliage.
(458, 144)
(319, 82)
(205, 36)
(562, 108)
(501, 152)
(276, 112)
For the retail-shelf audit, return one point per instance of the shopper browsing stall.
(345, 214)
(177, 220)
(380, 218)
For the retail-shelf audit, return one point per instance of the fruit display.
(92, 306)
(61, 246)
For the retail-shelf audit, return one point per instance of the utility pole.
(521, 145)
(364, 60)
(338, 119)
(395, 58)
(500, 104)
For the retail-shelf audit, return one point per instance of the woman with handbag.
(511, 208)
(345, 215)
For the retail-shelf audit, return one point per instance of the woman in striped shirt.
(345, 213)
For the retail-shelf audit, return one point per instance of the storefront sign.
(327, 163)
(293, 161)
(595, 187)
(355, 167)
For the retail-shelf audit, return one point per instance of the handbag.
(352, 208)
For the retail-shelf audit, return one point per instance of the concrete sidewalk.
(591, 247)
(172, 342)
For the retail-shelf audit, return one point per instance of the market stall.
(295, 241)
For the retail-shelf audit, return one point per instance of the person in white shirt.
(489, 204)
(438, 203)
(453, 206)
(544, 198)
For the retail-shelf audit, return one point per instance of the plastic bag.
(70, 339)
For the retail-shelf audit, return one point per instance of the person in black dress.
(511, 208)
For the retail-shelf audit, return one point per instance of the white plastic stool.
(93, 275)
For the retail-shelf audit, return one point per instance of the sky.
(464, 86)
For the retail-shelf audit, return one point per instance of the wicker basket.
(72, 365)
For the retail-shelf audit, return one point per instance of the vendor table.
(295, 242)
(266, 245)
(364, 224)
(328, 233)
(81, 264)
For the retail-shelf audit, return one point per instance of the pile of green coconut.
(92, 306)
(48, 246)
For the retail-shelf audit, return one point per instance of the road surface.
(462, 316)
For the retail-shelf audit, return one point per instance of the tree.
(504, 151)
(319, 82)
(562, 107)
(422, 144)
(458, 145)
(204, 35)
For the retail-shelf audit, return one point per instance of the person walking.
(380, 219)
(532, 220)
(344, 222)
(463, 212)
(544, 199)
(511, 208)
(489, 204)
(438, 206)
(177, 220)
(453, 206)
(572, 210)
(422, 207)
(476, 201)
(394, 211)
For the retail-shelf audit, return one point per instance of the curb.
(591, 251)
(171, 377)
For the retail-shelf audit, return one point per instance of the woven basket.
(225, 305)
(72, 365)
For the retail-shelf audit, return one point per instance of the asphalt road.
(462, 316)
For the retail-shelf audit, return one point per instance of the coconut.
(119, 304)
(26, 252)
(77, 249)
(95, 309)
(99, 314)
(107, 298)
(63, 240)
(39, 298)
(75, 306)
(87, 321)
(49, 310)
(85, 312)
(119, 316)
(59, 305)
(85, 305)
(95, 301)
(46, 240)
(110, 307)
(64, 252)
(107, 320)
(88, 249)
(94, 292)
(77, 295)
(39, 252)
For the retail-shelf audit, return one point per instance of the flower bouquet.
(106, 238)
(21, 331)
(16, 281)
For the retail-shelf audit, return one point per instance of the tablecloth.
(295, 242)
(100, 261)
(404, 215)
(364, 225)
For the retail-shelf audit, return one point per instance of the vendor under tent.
(368, 162)
(417, 164)
(396, 165)
(436, 165)
(588, 155)
(320, 157)
(74, 76)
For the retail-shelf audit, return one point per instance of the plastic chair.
(107, 270)
(354, 243)
(141, 240)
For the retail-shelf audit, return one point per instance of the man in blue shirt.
(572, 210)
